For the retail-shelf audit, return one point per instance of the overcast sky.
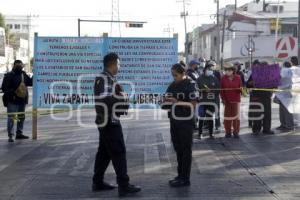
(59, 17)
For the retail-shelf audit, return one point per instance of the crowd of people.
(209, 87)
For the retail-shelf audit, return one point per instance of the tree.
(2, 21)
(10, 37)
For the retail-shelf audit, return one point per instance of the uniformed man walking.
(108, 94)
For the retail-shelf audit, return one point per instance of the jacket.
(204, 84)
(108, 93)
(233, 95)
(11, 82)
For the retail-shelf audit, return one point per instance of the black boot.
(180, 183)
(173, 180)
(127, 190)
(20, 136)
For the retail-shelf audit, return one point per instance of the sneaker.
(236, 136)
(102, 187)
(228, 135)
(211, 136)
(127, 190)
(21, 137)
(10, 140)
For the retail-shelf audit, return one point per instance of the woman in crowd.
(180, 101)
(231, 86)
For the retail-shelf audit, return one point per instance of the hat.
(211, 63)
(238, 63)
(202, 59)
(228, 66)
(194, 62)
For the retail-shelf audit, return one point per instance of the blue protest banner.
(65, 69)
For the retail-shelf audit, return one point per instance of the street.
(59, 165)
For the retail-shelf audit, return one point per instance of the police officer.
(109, 95)
(213, 65)
(180, 100)
(192, 71)
(208, 85)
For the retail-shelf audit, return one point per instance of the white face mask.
(202, 64)
(228, 73)
(209, 73)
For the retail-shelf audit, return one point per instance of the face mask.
(209, 73)
(200, 70)
(202, 65)
(228, 73)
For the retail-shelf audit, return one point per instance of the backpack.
(21, 91)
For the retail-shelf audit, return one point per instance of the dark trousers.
(111, 148)
(208, 111)
(12, 109)
(262, 119)
(217, 114)
(250, 114)
(286, 118)
(182, 139)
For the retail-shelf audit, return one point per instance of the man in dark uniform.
(108, 94)
(218, 75)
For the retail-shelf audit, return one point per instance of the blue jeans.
(15, 108)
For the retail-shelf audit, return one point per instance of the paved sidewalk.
(60, 164)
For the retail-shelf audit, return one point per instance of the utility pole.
(235, 5)
(28, 48)
(184, 14)
(218, 31)
(277, 27)
(223, 39)
(298, 29)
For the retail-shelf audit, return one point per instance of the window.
(17, 26)
(274, 9)
(10, 26)
(290, 29)
(25, 27)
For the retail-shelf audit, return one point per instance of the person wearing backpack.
(15, 98)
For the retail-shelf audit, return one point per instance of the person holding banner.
(180, 101)
(263, 76)
(108, 96)
(15, 98)
(231, 88)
